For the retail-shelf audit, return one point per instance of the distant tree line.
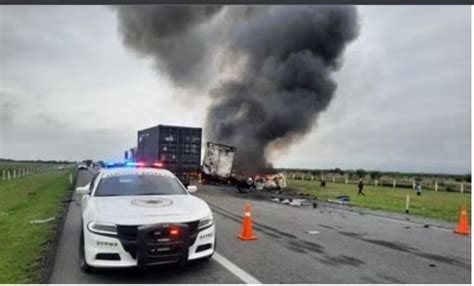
(38, 161)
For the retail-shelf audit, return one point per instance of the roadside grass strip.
(438, 205)
(23, 244)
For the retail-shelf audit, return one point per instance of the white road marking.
(237, 271)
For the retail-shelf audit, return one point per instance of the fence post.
(293, 176)
(70, 179)
(376, 182)
(436, 186)
(414, 186)
(14, 174)
(346, 180)
(407, 206)
(462, 188)
(4, 176)
(394, 183)
(312, 178)
(333, 179)
(8, 175)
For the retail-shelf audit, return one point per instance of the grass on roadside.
(438, 205)
(22, 200)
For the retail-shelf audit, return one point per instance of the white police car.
(141, 216)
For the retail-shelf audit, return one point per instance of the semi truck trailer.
(176, 148)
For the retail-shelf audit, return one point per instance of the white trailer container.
(218, 160)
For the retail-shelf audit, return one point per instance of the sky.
(70, 90)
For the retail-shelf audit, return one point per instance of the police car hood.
(151, 208)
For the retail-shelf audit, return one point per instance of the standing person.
(418, 189)
(361, 187)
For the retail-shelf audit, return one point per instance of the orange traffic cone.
(247, 230)
(463, 226)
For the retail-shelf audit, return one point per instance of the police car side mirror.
(192, 189)
(84, 190)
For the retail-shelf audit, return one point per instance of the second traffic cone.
(247, 230)
(463, 226)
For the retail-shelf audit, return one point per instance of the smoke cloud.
(171, 35)
(271, 67)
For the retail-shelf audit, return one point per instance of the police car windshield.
(138, 184)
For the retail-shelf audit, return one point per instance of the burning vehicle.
(270, 181)
(217, 163)
(217, 168)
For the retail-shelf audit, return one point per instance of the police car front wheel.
(82, 256)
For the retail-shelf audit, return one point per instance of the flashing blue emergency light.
(110, 164)
(134, 164)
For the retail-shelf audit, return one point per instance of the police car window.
(138, 185)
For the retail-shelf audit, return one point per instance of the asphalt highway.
(295, 245)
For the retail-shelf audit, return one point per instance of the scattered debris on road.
(312, 232)
(294, 201)
(42, 221)
(343, 200)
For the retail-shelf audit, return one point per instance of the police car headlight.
(102, 228)
(205, 222)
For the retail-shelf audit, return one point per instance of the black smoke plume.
(278, 63)
(171, 35)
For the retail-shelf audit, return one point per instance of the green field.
(438, 205)
(23, 245)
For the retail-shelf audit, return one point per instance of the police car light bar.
(133, 164)
(158, 164)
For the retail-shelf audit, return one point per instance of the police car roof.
(137, 170)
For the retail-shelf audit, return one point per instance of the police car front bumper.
(138, 246)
